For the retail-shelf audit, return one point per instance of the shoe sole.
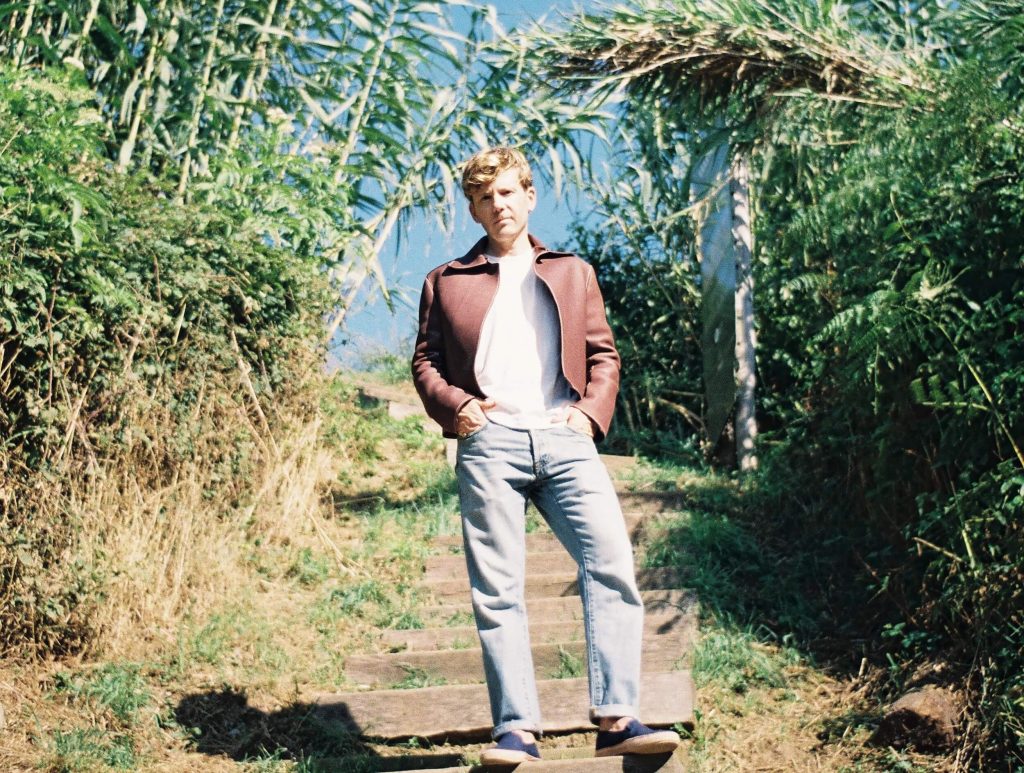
(653, 743)
(505, 757)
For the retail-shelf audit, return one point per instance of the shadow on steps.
(221, 723)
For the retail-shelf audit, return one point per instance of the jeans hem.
(516, 724)
(611, 710)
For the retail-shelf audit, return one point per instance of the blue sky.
(371, 327)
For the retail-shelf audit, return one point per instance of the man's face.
(503, 207)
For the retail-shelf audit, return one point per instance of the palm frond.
(703, 53)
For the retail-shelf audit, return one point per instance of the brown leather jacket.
(456, 297)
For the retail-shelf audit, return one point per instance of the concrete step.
(452, 566)
(465, 666)
(559, 609)
(540, 586)
(464, 636)
(462, 711)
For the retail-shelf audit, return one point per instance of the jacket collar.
(475, 256)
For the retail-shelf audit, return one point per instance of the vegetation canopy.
(885, 146)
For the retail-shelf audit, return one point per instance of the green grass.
(458, 619)
(407, 621)
(721, 549)
(237, 627)
(120, 688)
(416, 677)
(309, 569)
(736, 660)
(570, 666)
(89, 750)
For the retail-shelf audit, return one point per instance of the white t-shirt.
(519, 357)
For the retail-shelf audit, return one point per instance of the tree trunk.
(710, 190)
(746, 336)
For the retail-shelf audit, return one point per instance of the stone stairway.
(445, 654)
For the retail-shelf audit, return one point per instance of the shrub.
(144, 343)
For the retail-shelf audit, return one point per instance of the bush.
(889, 280)
(143, 342)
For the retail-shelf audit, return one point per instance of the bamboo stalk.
(127, 150)
(160, 90)
(371, 263)
(26, 26)
(264, 71)
(90, 19)
(254, 64)
(197, 111)
(358, 117)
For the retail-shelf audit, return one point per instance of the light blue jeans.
(499, 469)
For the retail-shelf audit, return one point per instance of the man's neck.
(518, 246)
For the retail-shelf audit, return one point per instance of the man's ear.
(531, 194)
(472, 212)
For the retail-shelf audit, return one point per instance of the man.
(514, 357)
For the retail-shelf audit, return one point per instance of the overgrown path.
(765, 707)
(451, 708)
(347, 646)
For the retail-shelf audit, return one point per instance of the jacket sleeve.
(603, 363)
(441, 400)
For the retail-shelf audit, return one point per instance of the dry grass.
(814, 722)
(254, 616)
(233, 608)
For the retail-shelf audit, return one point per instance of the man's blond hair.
(484, 167)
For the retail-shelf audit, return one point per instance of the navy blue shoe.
(510, 750)
(637, 738)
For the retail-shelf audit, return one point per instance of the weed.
(570, 666)
(737, 661)
(309, 569)
(275, 762)
(534, 520)
(239, 631)
(353, 599)
(896, 762)
(407, 621)
(458, 619)
(118, 687)
(211, 641)
(737, 575)
(441, 514)
(417, 677)
(311, 765)
(388, 366)
(655, 475)
(84, 750)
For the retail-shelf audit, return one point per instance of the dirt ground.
(227, 689)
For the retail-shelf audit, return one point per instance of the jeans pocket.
(578, 433)
(475, 432)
